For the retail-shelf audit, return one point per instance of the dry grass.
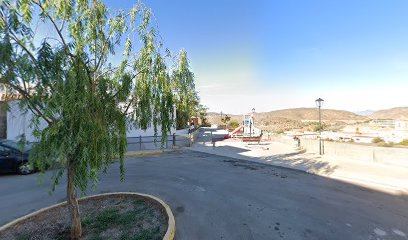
(110, 217)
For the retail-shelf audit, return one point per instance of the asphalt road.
(215, 197)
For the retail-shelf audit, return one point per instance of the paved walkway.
(215, 197)
(369, 174)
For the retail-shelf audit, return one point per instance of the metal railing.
(154, 142)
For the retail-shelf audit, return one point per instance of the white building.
(401, 129)
(19, 122)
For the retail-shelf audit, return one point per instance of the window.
(4, 151)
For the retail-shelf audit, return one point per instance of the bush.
(234, 124)
(377, 140)
(404, 142)
(390, 144)
(318, 128)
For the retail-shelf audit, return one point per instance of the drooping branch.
(59, 32)
(32, 106)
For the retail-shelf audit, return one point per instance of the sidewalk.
(368, 174)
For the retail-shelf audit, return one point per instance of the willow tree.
(183, 83)
(95, 71)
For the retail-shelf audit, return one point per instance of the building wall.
(401, 128)
(18, 122)
(3, 120)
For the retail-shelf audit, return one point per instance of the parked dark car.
(14, 159)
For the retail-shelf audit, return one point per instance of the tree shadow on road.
(302, 161)
(293, 160)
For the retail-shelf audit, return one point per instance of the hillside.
(288, 119)
(313, 114)
(392, 113)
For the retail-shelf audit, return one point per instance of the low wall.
(397, 156)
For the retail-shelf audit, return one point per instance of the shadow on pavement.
(294, 160)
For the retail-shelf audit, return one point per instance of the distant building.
(401, 128)
(382, 123)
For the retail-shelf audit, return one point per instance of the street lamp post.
(319, 104)
(252, 122)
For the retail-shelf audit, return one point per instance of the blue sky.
(282, 54)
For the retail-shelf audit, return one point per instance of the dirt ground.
(109, 217)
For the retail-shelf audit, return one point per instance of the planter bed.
(106, 216)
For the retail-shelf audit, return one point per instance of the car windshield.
(16, 145)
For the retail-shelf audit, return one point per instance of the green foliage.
(86, 92)
(183, 83)
(317, 127)
(389, 144)
(226, 119)
(124, 220)
(234, 124)
(404, 142)
(201, 111)
(377, 140)
(70, 81)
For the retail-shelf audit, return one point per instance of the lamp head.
(319, 102)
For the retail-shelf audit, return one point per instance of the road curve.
(214, 197)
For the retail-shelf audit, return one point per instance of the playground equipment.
(236, 130)
(246, 129)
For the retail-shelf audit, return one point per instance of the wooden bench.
(251, 139)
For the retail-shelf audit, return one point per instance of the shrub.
(404, 142)
(390, 144)
(234, 124)
(377, 140)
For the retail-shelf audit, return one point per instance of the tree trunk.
(76, 229)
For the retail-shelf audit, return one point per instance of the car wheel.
(25, 168)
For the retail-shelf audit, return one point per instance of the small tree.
(234, 124)
(183, 83)
(201, 110)
(83, 84)
(226, 119)
(318, 127)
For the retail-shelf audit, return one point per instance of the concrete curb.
(143, 154)
(148, 153)
(171, 228)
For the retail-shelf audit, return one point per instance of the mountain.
(365, 112)
(294, 118)
(313, 114)
(392, 113)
